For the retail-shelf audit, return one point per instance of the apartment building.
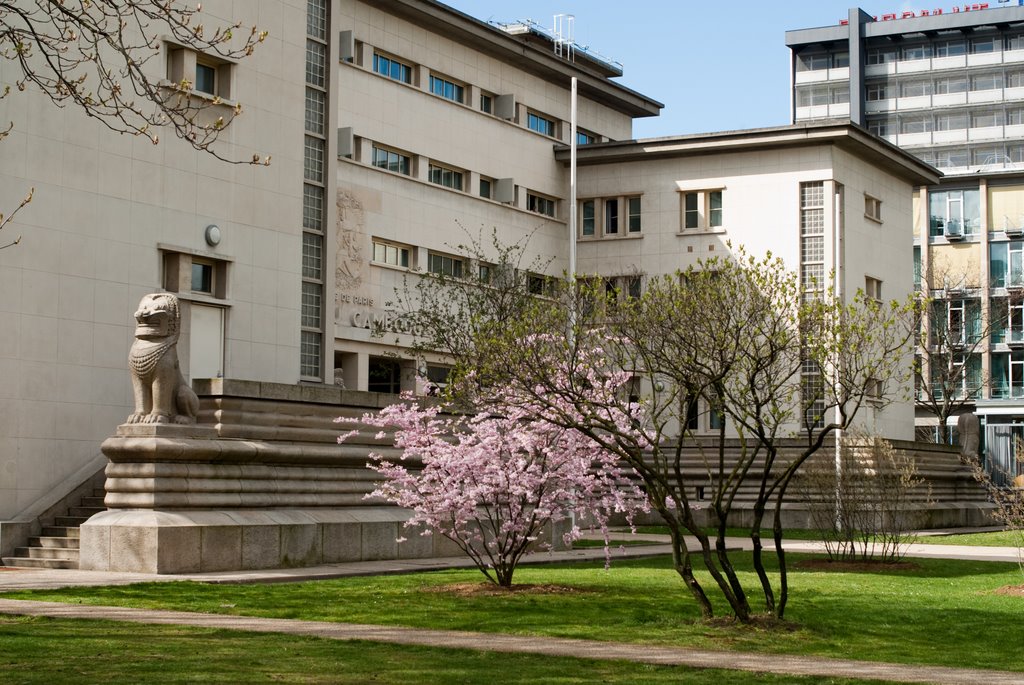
(947, 85)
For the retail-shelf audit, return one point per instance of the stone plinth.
(259, 482)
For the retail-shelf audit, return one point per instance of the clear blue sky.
(716, 65)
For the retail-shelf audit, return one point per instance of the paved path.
(546, 646)
(16, 579)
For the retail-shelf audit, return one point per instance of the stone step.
(46, 553)
(53, 541)
(29, 562)
(70, 520)
(94, 501)
(61, 531)
(85, 512)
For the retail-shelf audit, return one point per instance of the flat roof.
(842, 134)
(933, 23)
(527, 52)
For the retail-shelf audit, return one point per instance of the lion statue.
(161, 394)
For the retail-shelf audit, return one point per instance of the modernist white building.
(948, 86)
(397, 130)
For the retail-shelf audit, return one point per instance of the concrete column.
(354, 369)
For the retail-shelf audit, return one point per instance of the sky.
(716, 65)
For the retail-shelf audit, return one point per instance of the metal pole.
(572, 185)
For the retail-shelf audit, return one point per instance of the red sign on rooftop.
(891, 16)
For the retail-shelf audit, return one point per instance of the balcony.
(1003, 390)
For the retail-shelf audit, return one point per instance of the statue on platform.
(161, 393)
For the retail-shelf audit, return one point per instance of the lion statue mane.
(161, 393)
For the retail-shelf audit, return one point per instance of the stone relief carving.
(161, 393)
(350, 262)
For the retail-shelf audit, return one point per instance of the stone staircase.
(57, 546)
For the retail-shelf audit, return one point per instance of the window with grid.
(447, 89)
(390, 253)
(392, 68)
(702, 209)
(540, 124)
(392, 161)
(443, 176)
(444, 265)
(540, 204)
(313, 208)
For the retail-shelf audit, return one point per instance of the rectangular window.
(915, 124)
(877, 91)
(392, 161)
(633, 214)
(951, 122)
(443, 265)
(1015, 79)
(313, 159)
(950, 84)
(913, 89)
(812, 62)
(873, 208)
(588, 218)
(316, 64)
(873, 288)
(486, 103)
(447, 89)
(992, 81)
(981, 46)
(954, 213)
(485, 188)
(691, 210)
(702, 210)
(387, 253)
(715, 208)
(312, 256)
(840, 60)
(881, 55)
(202, 277)
(536, 284)
(585, 137)
(316, 111)
(540, 204)
(443, 176)
(1015, 41)
(1006, 264)
(987, 119)
(206, 79)
(912, 53)
(392, 68)
(955, 157)
(536, 122)
(882, 127)
(312, 304)
(951, 48)
(611, 217)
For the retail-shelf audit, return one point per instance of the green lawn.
(1003, 538)
(47, 651)
(941, 612)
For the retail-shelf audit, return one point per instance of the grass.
(766, 533)
(1002, 538)
(942, 612)
(613, 543)
(46, 651)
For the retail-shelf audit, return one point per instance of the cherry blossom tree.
(494, 484)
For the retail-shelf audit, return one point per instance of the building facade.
(398, 130)
(947, 86)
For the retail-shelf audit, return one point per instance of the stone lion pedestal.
(258, 482)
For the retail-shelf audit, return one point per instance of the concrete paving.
(15, 579)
